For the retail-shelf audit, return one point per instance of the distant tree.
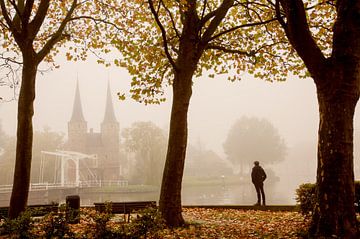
(147, 142)
(33, 31)
(7, 160)
(253, 139)
(357, 154)
(45, 140)
(205, 163)
(3, 136)
(7, 144)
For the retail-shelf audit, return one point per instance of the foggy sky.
(216, 104)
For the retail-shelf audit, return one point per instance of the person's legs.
(261, 189)
(257, 187)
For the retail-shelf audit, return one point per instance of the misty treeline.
(143, 148)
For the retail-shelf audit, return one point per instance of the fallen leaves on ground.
(205, 224)
(231, 224)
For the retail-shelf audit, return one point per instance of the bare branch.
(230, 50)
(98, 20)
(7, 17)
(9, 59)
(242, 26)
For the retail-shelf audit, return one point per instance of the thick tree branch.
(25, 18)
(203, 12)
(58, 34)
(215, 22)
(38, 20)
(163, 33)
(208, 16)
(19, 7)
(279, 15)
(299, 35)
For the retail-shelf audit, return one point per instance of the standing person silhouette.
(258, 177)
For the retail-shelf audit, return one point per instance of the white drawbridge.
(65, 156)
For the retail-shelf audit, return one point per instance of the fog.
(291, 106)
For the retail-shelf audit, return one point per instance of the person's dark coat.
(258, 175)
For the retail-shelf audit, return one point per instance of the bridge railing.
(104, 183)
(81, 184)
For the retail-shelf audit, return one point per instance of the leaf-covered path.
(230, 223)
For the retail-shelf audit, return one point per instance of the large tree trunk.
(335, 212)
(21, 181)
(170, 196)
(337, 79)
(338, 93)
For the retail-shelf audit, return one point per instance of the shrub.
(306, 197)
(148, 221)
(92, 225)
(19, 227)
(55, 225)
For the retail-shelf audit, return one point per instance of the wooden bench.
(125, 208)
(36, 210)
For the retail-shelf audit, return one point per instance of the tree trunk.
(170, 196)
(21, 181)
(337, 79)
(335, 211)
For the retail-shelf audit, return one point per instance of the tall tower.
(110, 127)
(110, 138)
(77, 126)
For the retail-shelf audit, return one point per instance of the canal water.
(191, 195)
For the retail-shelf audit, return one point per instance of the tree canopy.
(252, 139)
(147, 143)
(33, 31)
(247, 39)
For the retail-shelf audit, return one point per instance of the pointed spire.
(109, 116)
(77, 115)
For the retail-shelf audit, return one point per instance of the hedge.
(306, 198)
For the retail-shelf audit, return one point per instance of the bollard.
(73, 209)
